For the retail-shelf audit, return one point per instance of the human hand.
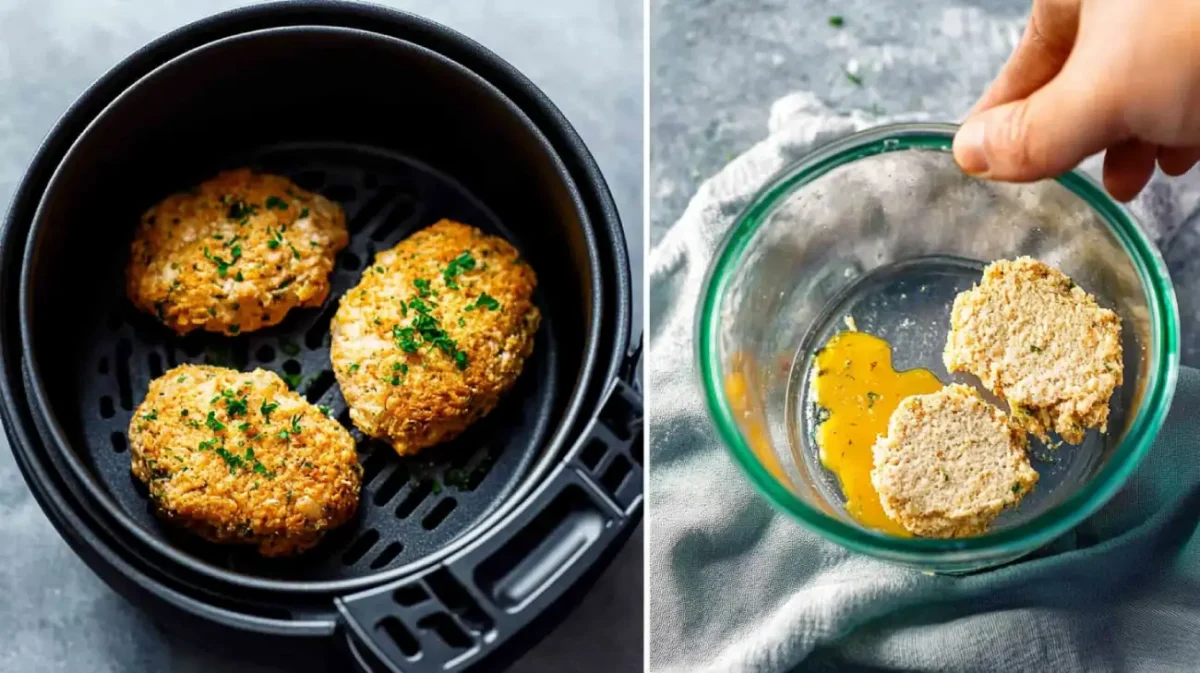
(1122, 76)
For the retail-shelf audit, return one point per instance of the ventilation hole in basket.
(265, 353)
(386, 556)
(340, 193)
(124, 353)
(320, 385)
(410, 595)
(192, 346)
(102, 367)
(446, 629)
(391, 486)
(370, 181)
(241, 353)
(349, 261)
(372, 466)
(637, 448)
(291, 367)
(373, 207)
(344, 418)
(118, 442)
(438, 514)
(310, 180)
(315, 337)
(393, 629)
(106, 407)
(454, 596)
(154, 360)
(360, 547)
(615, 475)
(593, 453)
(401, 212)
(615, 416)
(415, 497)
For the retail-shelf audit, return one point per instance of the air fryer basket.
(402, 136)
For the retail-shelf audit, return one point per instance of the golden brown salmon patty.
(239, 458)
(950, 464)
(1041, 343)
(435, 332)
(234, 254)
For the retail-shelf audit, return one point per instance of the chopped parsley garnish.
(293, 380)
(183, 413)
(395, 366)
(464, 262)
(212, 422)
(234, 329)
(274, 202)
(403, 369)
(837, 21)
(234, 462)
(240, 210)
(208, 444)
(462, 323)
(212, 311)
(244, 427)
(239, 277)
(487, 301)
(325, 410)
(295, 252)
(460, 360)
(854, 79)
(422, 286)
(283, 434)
(307, 464)
(303, 213)
(222, 265)
(1016, 487)
(276, 237)
(405, 339)
(296, 424)
(152, 416)
(430, 332)
(267, 408)
(234, 406)
(1034, 349)
(259, 468)
(871, 398)
(395, 380)
(353, 367)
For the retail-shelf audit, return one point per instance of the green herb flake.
(266, 409)
(234, 462)
(303, 213)
(353, 367)
(212, 422)
(837, 21)
(276, 203)
(1034, 349)
(1016, 488)
(872, 398)
(487, 301)
(293, 380)
(462, 323)
(853, 79)
(234, 329)
(283, 434)
(295, 252)
(325, 410)
(239, 277)
(458, 265)
(208, 444)
(296, 424)
(152, 416)
(395, 380)
(422, 286)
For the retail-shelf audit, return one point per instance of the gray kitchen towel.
(738, 586)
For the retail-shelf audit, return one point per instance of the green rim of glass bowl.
(1163, 367)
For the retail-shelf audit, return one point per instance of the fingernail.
(968, 148)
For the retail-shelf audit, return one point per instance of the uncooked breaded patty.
(239, 458)
(1041, 343)
(234, 254)
(950, 464)
(435, 332)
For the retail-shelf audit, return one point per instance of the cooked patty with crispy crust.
(950, 464)
(437, 330)
(239, 458)
(1041, 343)
(234, 254)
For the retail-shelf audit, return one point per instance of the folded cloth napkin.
(737, 586)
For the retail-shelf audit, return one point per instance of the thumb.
(1041, 136)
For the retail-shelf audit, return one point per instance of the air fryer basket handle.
(455, 614)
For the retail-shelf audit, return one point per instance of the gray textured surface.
(717, 66)
(586, 54)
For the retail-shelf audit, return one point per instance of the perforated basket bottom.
(409, 507)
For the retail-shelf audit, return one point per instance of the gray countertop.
(586, 55)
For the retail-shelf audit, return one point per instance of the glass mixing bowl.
(883, 227)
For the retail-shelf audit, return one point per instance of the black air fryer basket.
(403, 122)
